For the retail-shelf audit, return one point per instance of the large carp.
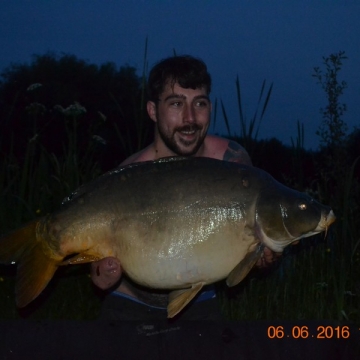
(176, 223)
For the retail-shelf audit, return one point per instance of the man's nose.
(189, 113)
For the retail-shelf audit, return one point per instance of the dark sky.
(280, 41)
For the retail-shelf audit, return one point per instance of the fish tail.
(35, 268)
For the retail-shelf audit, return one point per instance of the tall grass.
(318, 279)
(36, 184)
(249, 128)
(31, 187)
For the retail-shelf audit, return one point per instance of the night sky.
(280, 41)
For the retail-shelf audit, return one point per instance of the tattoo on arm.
(236, 153)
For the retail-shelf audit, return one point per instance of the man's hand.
(270, 256)
(106, 272)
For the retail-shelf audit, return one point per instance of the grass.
(308, 283)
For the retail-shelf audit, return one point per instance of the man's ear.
(151, 109)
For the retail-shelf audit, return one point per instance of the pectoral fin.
(245, 265)
(178, 299)
(81, 259)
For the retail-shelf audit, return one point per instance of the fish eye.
(302, 206)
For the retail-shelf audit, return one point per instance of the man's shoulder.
(216, 140)
(142, 155)
(222, 143)
(226, 149)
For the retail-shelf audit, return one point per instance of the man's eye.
(176, 103)
(202, 104)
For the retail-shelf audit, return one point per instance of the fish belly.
(178, 257)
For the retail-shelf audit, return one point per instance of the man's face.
(182, 117)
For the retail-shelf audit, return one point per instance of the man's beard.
(187, 148)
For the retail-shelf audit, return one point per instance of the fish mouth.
(323, 225)
(325, 221)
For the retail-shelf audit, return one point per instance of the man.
(179, 104)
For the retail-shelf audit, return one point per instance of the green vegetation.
(63, 122)
(49, 150)
(318, 279)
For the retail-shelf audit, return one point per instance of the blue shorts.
(204, 295)
(119, 306)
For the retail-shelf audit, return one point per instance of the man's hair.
(187, 71)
